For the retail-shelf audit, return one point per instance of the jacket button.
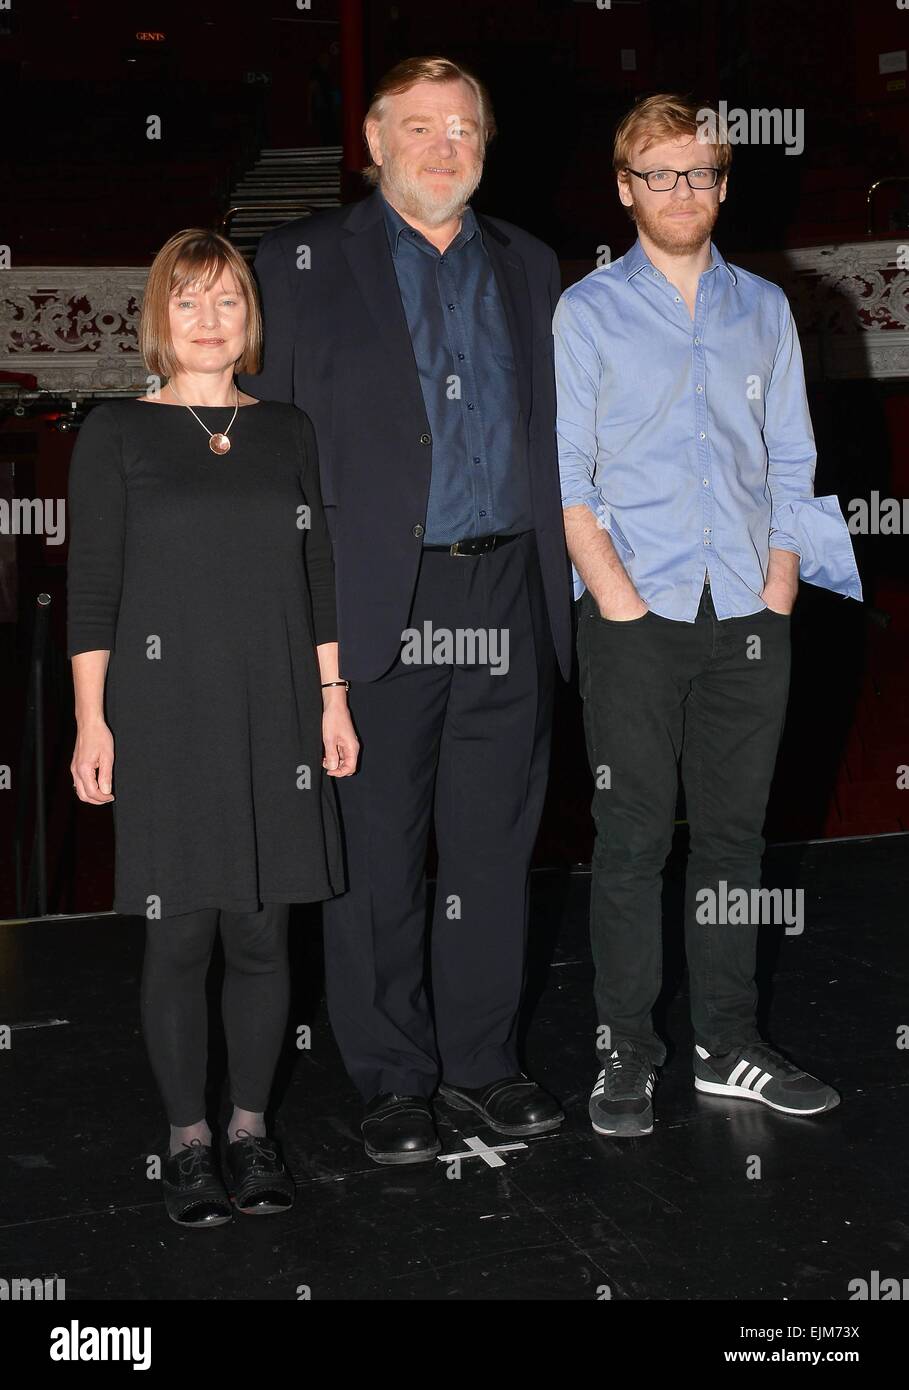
(425, 438)
(418, 530)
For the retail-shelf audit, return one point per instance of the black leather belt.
(477, 545)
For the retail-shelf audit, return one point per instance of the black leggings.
(254, 1004)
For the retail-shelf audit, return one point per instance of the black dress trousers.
(467, 744)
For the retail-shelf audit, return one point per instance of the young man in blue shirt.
(687, 463)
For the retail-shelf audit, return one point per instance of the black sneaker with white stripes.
(621, 1100)
(758, 1072)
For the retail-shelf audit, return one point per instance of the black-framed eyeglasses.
(665, 180)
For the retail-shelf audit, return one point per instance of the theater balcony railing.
(72, 329)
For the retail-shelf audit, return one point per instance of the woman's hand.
(93, 763)
(340, 743)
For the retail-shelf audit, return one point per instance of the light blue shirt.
(691, 441)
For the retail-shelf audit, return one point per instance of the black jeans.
(709, 696)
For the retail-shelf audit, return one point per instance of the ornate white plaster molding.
(74, 327)
(851, 304)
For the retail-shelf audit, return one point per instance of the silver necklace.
(218, 443)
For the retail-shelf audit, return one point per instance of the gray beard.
(409, 198)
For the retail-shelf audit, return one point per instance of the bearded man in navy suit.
(418, 337)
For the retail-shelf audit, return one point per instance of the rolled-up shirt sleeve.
(96, 506)
(318, 552)
(813, 527)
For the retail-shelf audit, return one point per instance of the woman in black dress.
(201, 627)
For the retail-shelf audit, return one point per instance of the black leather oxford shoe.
(259, 1182)
(513, 1105)
(194, 1194)
(399, 1129)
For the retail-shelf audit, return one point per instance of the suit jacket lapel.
(513, 291)
(368, 254)
(369, 257)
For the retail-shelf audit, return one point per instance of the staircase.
(282, 185)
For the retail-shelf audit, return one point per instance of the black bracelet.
(326, 684)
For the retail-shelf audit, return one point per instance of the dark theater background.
(261, 105)
(258, 110)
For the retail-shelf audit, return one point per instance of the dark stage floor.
(672, 1216)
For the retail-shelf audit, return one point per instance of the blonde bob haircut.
(666, 117)
(405, 75)
(194, 257)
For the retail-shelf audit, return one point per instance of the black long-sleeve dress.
(209, 579)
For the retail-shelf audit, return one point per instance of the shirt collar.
(637, 259)
(397, 226)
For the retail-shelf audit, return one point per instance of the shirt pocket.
(496, 327)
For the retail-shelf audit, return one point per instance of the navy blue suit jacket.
(337, 346)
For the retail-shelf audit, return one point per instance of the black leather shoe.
(259, 1182)
(194, 1194)
(399, 1129)
(513, 1105)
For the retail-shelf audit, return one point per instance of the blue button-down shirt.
(480, 479)
(691, 440)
